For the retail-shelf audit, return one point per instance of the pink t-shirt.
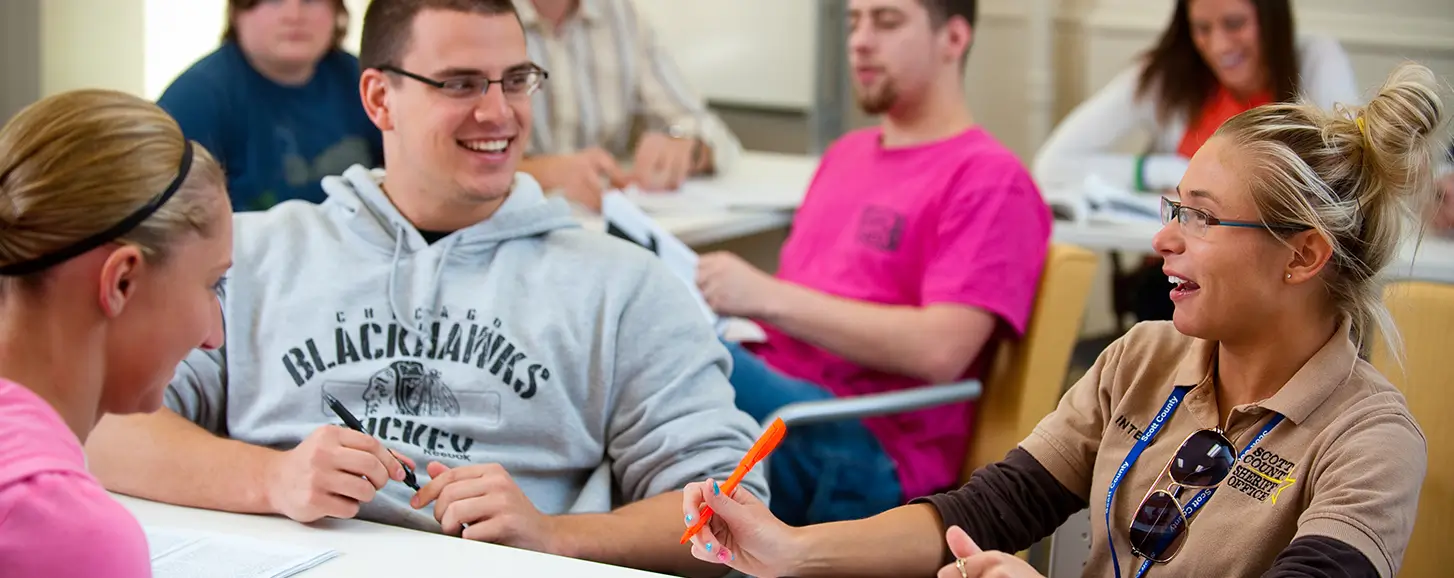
(953, 221)
(55, 518)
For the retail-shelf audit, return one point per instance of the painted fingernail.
(734, 556)
(716, 489)
(690, 518)
(709, 546)
(722, 556)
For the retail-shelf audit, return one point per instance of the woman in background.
(114, 234)
(278, 102)
(1216, 59)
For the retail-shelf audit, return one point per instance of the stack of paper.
(178, 553)
(1098, 201)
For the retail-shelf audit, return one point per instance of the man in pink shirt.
(919, 245)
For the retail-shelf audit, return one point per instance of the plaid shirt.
(608, 72)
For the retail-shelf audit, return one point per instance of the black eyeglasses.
(518, 82)
(1160, 526)
(1196, 221)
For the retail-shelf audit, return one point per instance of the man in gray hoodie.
(537, 375)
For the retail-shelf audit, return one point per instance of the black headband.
(78, 248)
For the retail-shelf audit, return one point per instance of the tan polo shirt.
(1347, 461)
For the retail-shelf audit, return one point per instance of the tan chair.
(1424, 315)
(1028, 376)
(1025, 380)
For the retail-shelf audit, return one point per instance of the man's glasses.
(1160, 526)
(1196, 221)
(519, 82)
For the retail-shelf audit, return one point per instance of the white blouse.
(1083, 143)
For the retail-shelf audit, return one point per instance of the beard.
(877, 100)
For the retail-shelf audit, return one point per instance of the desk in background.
(369, 549)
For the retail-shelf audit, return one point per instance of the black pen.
(353, 424)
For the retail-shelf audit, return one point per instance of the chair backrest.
(1027, 377)
(1424, 315)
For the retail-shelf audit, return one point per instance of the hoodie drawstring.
(394, 277)
(434, 284)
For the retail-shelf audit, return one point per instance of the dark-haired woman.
(1216, 59)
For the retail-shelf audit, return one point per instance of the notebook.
(180, 553)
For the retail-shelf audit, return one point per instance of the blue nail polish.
(734, 556)
(709, 546)
(690, 518)
(716, 489)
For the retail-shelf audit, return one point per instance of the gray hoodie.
(573, 359)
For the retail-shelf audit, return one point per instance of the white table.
(1433, 260)
(756, 174)
(368, 549)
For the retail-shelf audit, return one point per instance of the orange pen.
(764, 446)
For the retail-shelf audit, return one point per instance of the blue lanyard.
(1177, 393)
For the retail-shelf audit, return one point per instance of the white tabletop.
(368, 549)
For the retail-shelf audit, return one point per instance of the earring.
(1289, 276)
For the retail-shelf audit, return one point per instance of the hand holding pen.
(330, 473)
(728, 525)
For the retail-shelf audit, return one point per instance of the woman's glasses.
(1160, 526)
(1196, 221)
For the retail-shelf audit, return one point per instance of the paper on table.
(178, 553)
(162, 542)
(624, 218)
(1098, 200)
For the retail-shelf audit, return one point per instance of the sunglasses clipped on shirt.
(1159, 527)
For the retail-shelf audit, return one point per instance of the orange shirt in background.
(1218, 109)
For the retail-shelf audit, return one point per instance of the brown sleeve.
(1066, 442)
(1008, 506)
(1321, 557)
(1365, 487)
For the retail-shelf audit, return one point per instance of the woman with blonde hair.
(1245, 437)
(115, 233)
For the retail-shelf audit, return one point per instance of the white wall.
(746, 52)
(91, 43)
